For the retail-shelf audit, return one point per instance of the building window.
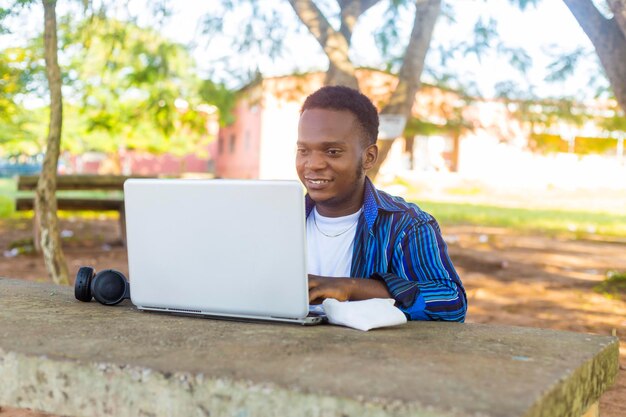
(220, 144)
(232, 143)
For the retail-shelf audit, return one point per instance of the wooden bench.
(112, 200)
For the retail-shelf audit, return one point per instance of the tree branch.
(335, 45)
(314, 20)
(361, 6)
(401, 101)
(618, 7)
(609, 41)
(402, 98)
(351, 10)
(588, 17)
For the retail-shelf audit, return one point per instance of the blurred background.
(503, 119)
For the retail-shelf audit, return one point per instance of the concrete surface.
(63, 356)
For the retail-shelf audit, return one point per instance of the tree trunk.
(45, 198)
(341, 76)
(456, 138)
(618, 7)
(401, 101)
(409, 145)
(335, 44)
(609, 41)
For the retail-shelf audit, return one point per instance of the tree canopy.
(124, 86)
(128, 85)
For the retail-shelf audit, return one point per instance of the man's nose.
(315, 161)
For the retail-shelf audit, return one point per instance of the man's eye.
(301, 151)
(334, 152)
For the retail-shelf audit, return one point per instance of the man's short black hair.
(338, 97)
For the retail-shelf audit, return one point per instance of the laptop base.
(306, 321)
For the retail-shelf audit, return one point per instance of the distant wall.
(507, 164)
(238, 144)
(504, 164)
(133, 162)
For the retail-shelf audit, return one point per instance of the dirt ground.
(511, 278)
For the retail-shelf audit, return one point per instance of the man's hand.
(321, 288)
(344, 289)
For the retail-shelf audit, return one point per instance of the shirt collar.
(372, 202)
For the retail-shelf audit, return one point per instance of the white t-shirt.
(330, 241)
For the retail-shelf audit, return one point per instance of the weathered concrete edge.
(570, 399)
(99, 389)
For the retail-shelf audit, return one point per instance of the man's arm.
(422, 279)
(345, 289)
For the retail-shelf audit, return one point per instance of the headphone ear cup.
(109, 287)
(82, 285)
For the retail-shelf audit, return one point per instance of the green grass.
(579, 223)
(7, 197)
(7, 186)
(614, 286)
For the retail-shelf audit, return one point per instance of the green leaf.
(220, 96)
(484, 34)
(522, 4)
(565, 64)
(518, 58)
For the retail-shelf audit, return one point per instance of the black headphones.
(108, 287)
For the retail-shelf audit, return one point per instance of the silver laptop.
(218, 248)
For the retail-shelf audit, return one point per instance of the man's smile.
(317, 181)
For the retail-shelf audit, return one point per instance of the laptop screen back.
(217, 246)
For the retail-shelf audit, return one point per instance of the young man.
(364, 243)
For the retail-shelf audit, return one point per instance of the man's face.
(332, 159)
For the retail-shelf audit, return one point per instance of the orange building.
(261, 142)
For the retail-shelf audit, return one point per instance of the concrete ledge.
(71, 358)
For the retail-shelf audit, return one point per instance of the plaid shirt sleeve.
(422, 279)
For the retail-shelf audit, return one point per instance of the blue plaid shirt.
(398, 243)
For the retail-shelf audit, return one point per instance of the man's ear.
(370, 155)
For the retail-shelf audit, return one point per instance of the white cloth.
(330, 256)
(363, 315)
